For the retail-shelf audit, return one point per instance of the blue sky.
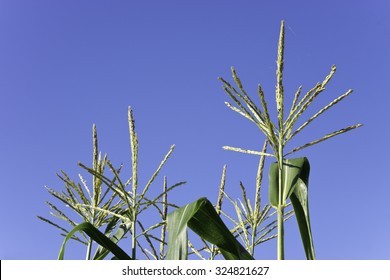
(67, 65)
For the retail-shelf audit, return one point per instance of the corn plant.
(288, 178)
(112, 204)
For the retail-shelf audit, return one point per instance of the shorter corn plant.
(204, 219)
(115, 205)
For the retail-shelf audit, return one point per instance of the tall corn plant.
(288, 178)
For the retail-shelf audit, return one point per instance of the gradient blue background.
(65, 65)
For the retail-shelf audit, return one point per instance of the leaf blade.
(98, 237)
(202, 218)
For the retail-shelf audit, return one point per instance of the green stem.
(90, 241)
(89, 249)
(133, 236)
(281, 203)
(254, 235)
(280, 233)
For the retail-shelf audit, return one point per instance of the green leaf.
(98, 237)
(201, 217)
(296, 181)
(299, 200)
(292, 170)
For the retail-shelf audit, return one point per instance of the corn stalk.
(285, 174)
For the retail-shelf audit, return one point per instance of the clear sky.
(66, 65)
